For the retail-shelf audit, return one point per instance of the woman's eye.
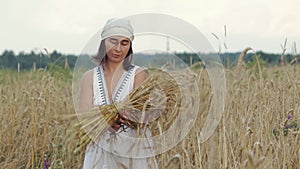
(124, 43)
(114, 42)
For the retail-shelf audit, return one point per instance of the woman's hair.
(101, 56)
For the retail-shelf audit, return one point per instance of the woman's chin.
(116, 60)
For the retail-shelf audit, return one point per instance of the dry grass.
(34, 107)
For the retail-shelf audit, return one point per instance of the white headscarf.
(117, 27)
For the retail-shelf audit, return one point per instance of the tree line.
(10, 60)
(25, 61)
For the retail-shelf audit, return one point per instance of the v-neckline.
(115, 90)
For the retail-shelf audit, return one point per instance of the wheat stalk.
(156, 100)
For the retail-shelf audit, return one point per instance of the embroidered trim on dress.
(120, 86)
(100, 85)
(103, 91)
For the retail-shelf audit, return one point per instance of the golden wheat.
(34, 129)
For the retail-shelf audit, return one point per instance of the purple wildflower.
(45, 164)
(289, 117)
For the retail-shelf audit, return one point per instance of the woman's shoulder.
(140, 76)
(137, 68)
(88, 75)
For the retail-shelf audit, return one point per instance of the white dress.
(114, 151)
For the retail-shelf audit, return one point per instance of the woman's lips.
(114, 55)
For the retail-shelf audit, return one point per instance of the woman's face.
(117, 48)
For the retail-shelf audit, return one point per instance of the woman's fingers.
(118, 123)
(116, 126)
(123, 114)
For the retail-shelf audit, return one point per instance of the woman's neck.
(111, 67)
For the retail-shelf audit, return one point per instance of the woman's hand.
(122, 121)
(118, 123)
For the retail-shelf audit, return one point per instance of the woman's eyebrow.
(113, 39)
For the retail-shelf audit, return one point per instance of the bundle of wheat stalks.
(155, 104)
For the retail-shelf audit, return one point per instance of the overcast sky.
(67, 25)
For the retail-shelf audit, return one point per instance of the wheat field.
(259, 127)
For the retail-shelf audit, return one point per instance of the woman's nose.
(118, 47)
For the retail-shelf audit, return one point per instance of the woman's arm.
(86, 92)
(140, 77)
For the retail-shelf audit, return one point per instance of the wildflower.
(287, 126)
(45, 162)
(289, 117)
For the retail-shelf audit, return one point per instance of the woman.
(111, 81)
